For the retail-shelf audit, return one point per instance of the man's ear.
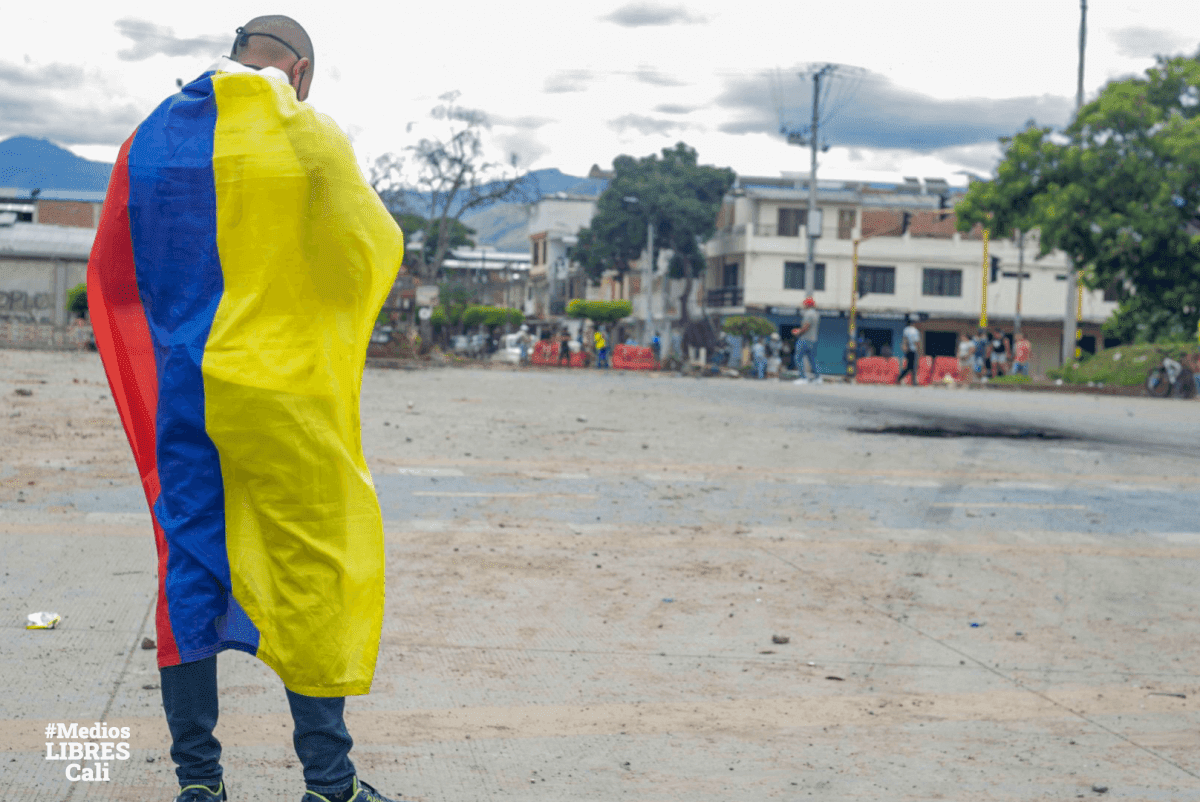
(301, 76)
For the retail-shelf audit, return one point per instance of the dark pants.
(910, 366)
(189, 693)
(564, 354)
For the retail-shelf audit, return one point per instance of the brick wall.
(67, 213)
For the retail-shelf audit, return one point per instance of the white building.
(554, 278)
(911, 262)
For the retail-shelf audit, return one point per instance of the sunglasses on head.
(243, 40)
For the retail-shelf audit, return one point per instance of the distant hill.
(503, 225)
(28, 163)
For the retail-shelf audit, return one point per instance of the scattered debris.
(23, 391)
(1100, 789)
(766, 651)
(835, 679)
(149, 643)
(581, 418)
(780, 639)
(149, 687)
(1164, 693)
(976, 625)
(668, 600)
(43, 620)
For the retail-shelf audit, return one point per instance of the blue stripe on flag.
(172, 213)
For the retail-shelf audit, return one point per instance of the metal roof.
(18, 194)
(847, 197)
(41, 241)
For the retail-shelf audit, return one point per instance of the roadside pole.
(648, 282)
(983, 302)
(1020, 275)
(1079, 314)
(852, 350)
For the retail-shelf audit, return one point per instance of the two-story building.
(912, 262)
(554, 277)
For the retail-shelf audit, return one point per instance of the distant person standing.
(523, 344)
(981, 354)
(910, 341)
(601, 349)
(1022, 350)
(564, 348)
(966, 357)
(759, 353)
(999, 353)
(774, 355)
(806, 340)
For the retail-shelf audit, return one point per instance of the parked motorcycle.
(1171, 377)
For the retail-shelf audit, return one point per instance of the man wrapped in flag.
(239, 266)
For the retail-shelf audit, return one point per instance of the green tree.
(674, 194)
(748, 326)
(599, 311)
(77, 300)
(425, 233)
(1119, 193)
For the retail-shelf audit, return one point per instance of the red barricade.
(925, 370)
(546, 353)
(633, 357)
(944, 366)
(877, 370)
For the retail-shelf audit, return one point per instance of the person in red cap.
(806, 341)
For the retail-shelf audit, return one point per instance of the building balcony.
(723, 297)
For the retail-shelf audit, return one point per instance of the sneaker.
(359, 792)
(800, 381)
(202, 793)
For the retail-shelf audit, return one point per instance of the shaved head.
(277, 41)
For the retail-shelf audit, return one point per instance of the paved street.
(588, 573)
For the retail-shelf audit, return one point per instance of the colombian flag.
(240, 264)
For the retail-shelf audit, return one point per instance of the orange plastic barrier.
(877, 370)
(924, 370)
(944, 366)
(546, 353)
(633, 357)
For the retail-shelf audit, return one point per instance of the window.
(790, 221)
(941, 282)
(1113, 291)
(729, 278)
(793, 275)
(846, 219)
(879, 280)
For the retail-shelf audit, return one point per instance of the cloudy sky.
(922, 88)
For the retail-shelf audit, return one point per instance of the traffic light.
(995, 268)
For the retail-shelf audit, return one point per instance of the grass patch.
(1124, 365)
(1010, 380)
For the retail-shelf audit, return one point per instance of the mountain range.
(28, 163)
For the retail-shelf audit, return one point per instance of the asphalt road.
(588, 573)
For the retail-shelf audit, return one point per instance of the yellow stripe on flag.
(308, 254)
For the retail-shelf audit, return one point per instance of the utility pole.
(812, 224)
(1071, 331)
(1020, 276)
(648, 283)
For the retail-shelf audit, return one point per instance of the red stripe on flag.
(123, 340)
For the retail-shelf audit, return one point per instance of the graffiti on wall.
(18, 303)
